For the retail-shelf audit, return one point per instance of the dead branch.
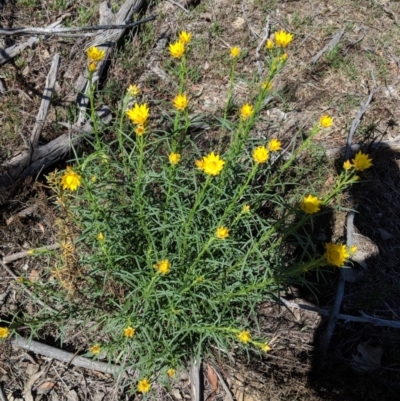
(46, 100)
(23, 254)
(196, 389)
(333, 42)
(63, 356)
(61, 31)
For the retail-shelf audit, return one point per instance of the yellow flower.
(92, 66)
(353, 250)
(139, 114)
(177, 49)
(181, 102)
(133, 90)
(246, 208)
(144, 386)
(265, 347)
(244, 336)
(246, 111)
(235, 52)
(260, 154)
(20, 279)
(4, 332)
(336, 254)
(274, 145)
(325, 121)
(270, 44)
(140, 130)
(129, 332)
(171, 372)
(95, 54)
(185, 37)
(212, 164)
(361, 161)
(31, 251)
(283, 57)
(267, 86)
(174, 158)
(283, 38)
(70, 180)
(200, 164)
(347, 165)
(222, 232)
(310, 204)
(163, 266)
(100, 237)
(94, 179)
(95, 349)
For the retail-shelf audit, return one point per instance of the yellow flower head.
(95, 349)
(222, 232)
(95, 54)
(71, 180)
(260, 154)
(139, 114)
(267, 86)
(92, 67)
(133, 90)
(174, 158)
(100, 237)
(325, 121)
(347, 165)
(265, 347)
(185, 37)
(336, 254)
(246, 208)
(361, 161)
(310, 204)
(270, 44)
(353, 250)
(212, 164)
(200, 164)
(181, 102)
(144, 386)
(177, 49)
(163, 266)
(129, 332)
(283, 38)
(31, 251)
(171, 372)
(244, 336)
(235, 52)
(93, 179)
(140, 130)
(4, 332)
(246, 111)
(274, 145)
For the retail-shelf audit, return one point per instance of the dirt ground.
(367, 57)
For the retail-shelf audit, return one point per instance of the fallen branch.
(196, 389)
(333, 42)
(63, 356)
(23, 254)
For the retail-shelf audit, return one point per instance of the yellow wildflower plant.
(269, 44)
(4, 332)
(95, 349)
(92, 66)
(246, 208)
(129, 332)
(133, 90)
(310, 204)
(274, 145)
(283, 38)
(246, 111)
(144, 386)
(244, 336)
(71, 180)
(260, 154)
(222, 232)
(140, 130)
(361, 161)
(283, 57)
(139, 114)
(200, 164)
(336, 254)
(347, 165)
(212, 164)
(235, 52)
(177, 49)
(185, 37)
(174, 158)
(163, 266)
(265, 347)
(171, 372)
(95, 54)
(325, 121)
(100, 237)
(180, 102)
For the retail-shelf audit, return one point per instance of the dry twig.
(23, 254)
(333, 42)
(196, 389)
